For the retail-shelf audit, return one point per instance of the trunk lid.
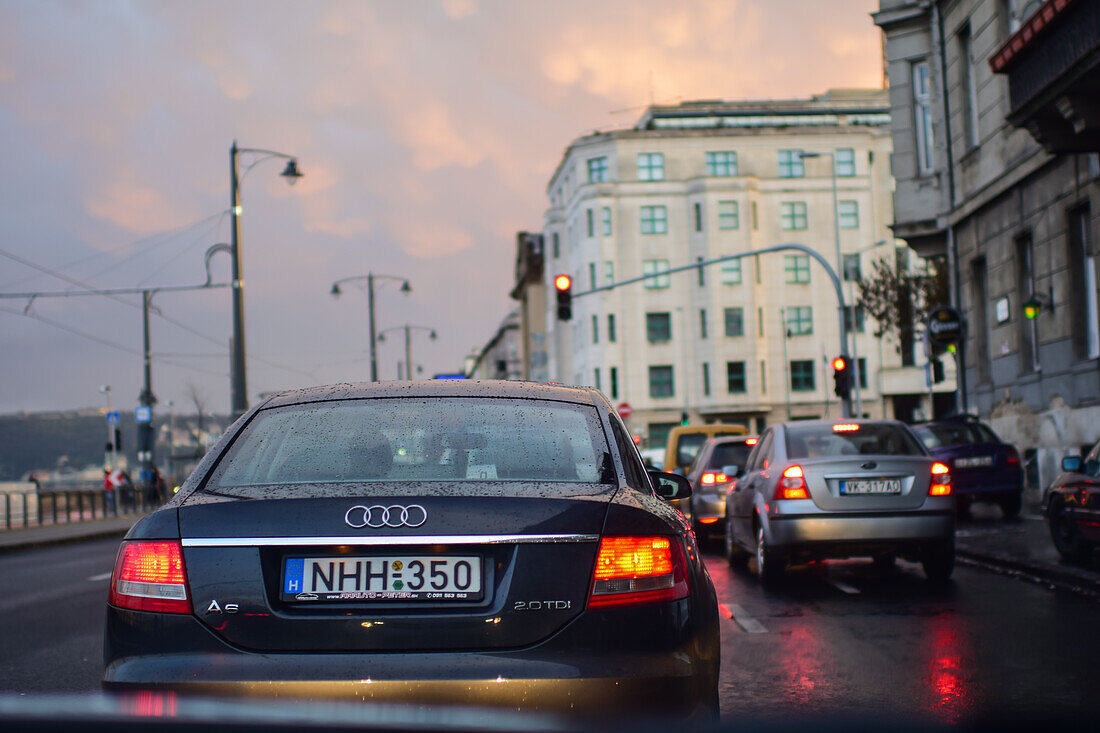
(869, 482)
(532, 546)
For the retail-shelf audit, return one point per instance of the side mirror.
(1071, 464)
(732, 470)
(670, 485)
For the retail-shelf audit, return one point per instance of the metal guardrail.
(22, 505)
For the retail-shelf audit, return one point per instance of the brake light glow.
(941, 480)
(846, 427)
(150, 576)
(1013, 458)
(633, 570)
(750, 441)
(708, 520)
(709, 478)
(792, 485)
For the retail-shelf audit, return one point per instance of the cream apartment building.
(747, 341)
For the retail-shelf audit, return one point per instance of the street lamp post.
(408, 328)
(237, 376)
(110, 455)
(370, 277)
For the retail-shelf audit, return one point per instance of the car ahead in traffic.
(983, 467)
(821, 489)
(710, 474)
(684, 442)
(477, 542)
(1072, 507)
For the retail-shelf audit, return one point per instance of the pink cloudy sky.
(427, 130)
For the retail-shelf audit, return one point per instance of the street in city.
(832, 638)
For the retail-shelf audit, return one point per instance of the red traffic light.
(840, 364)
(563, 282)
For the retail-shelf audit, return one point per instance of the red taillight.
(941, 480)
(1013, 458)
(150, 576)
(632, 570)
(708, 520)
(709, 478)
(792, 485)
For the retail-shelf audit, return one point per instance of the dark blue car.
(983, 467)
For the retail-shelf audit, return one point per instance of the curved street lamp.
(370, 277)
(237, 377)
(408, 342)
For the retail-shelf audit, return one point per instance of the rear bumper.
(666, 673)
(847, 534)
(710, 507)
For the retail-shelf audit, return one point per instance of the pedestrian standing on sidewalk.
(108, 492)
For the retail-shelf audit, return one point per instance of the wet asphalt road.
(839, 638)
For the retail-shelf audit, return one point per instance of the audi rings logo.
(378, 516)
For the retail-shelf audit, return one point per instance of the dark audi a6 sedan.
(435, 542)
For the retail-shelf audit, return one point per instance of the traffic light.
(564, 284)
(684, 419)
(842, 377)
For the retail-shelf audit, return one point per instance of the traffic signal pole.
(846, 401)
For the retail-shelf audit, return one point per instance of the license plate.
(871, 486)
(390, 578)
(974, 461)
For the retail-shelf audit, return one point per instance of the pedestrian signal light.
(842, 377)
(564, 284)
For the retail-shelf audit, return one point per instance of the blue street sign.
(112, 417)
(143, 413)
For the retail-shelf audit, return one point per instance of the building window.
(852, 271)
(797, 268)
(556, 245)
(755, 221)
(651, 166)
(800, 320)
(608, 272)
(596, 380)
(612, 337)
(658, 326)
(698, 208)
(654, 220)
(706, 379)
(653, 267)
(614, 378)
(847, 213)
(660, 381)
(1084, 311)
(702, 273)
(861, 367)
(589, 222)
(790, 164)
(854, 318)
(702, 323)
(759, 321)
(595, 329)
(1025, 289)
(802, 375)
(735, 377)
(792, 215)
(606, 221)
(735, 321)
(969, 87)
(591, 275)
(722, 163)
(979, 294)
(727, 215)
(731, 272)
(763, 377)
(922, 112)
(597, 169)
(845, 162)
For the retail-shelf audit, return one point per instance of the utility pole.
(238, 387)
(145, 439)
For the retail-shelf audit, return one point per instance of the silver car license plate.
(390, 578)
(871, 486)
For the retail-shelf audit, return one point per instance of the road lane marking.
(742, 618)
(101, 576)
(840, 585)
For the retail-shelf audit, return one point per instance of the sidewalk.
(55, 534)
(1020, 547)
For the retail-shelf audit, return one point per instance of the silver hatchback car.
(849, 488)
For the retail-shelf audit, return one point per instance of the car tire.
(735, 556)
(770, 565)
(1011, 504)
(938, 562)
(1065, 535)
